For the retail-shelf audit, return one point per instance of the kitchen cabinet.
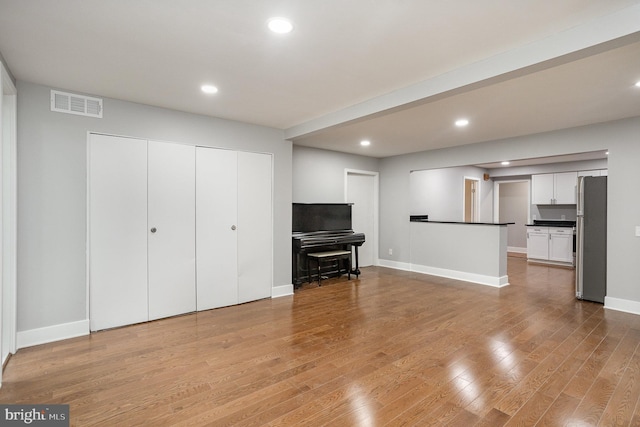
(596, 172)
(554, 188)
(538, 243)
(550, 244)
(561, 245)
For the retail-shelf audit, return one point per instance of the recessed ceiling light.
(462, 123)
(505, 163)
(280, 25)
(637, 84)
(365, 142)
(209, 89)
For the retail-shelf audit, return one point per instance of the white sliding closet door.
(216, 219)
(171, 229)
(117, 231)
(255, 226)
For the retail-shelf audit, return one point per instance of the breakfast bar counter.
(470, 251)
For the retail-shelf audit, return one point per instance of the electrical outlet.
(562, 217)
(390, 251)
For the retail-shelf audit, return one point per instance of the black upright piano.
(319, 227)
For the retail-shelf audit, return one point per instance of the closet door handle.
(233, 227)
(153, 229)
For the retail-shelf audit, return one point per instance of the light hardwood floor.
(392, 348)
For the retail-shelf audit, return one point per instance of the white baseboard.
(495, 281)
(394, 264)
(516, 250)
(618, 304)
(52, 333)
(281, 291)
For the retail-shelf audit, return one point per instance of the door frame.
(496, 197)
(8, 188)
(496, 200)
(475, 199)
(376, 201)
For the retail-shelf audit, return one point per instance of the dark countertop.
(552, 223)
(462, 222)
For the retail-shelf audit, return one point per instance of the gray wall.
(439, 193)
(318, 175)
(621, 138)
(52, 192)
(513, 204)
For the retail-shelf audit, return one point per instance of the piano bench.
(320, 257)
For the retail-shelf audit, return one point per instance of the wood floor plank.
(390, 348)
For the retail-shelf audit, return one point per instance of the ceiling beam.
(606, 33)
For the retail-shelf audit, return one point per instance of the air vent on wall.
(70, 103)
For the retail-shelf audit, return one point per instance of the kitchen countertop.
(552, 223)
(462, 222)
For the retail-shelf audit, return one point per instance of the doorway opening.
(471, 197)
(511, 204)
(361, 189)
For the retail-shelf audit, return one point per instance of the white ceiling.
(397, 72)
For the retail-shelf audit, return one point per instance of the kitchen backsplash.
(553, 212)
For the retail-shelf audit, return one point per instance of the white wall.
(621, 138)
(52, 193)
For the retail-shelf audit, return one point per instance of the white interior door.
(255, 224)
(171, 229)
(361, 190)
(117, 231)
(216, 235)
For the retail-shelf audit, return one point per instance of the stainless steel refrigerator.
(591, 238)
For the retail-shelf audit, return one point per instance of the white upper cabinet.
(542, 189)
(596, 172)
(565, 188)
(554, 188)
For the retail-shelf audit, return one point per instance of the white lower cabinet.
(561, 245)
(550, 244)
(538, 243)
(174, 228)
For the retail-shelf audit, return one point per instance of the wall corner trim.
(52, 333)
(281, 291)
(619, 304)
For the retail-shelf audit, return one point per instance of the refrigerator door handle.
(579, 255)
(580, 196)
